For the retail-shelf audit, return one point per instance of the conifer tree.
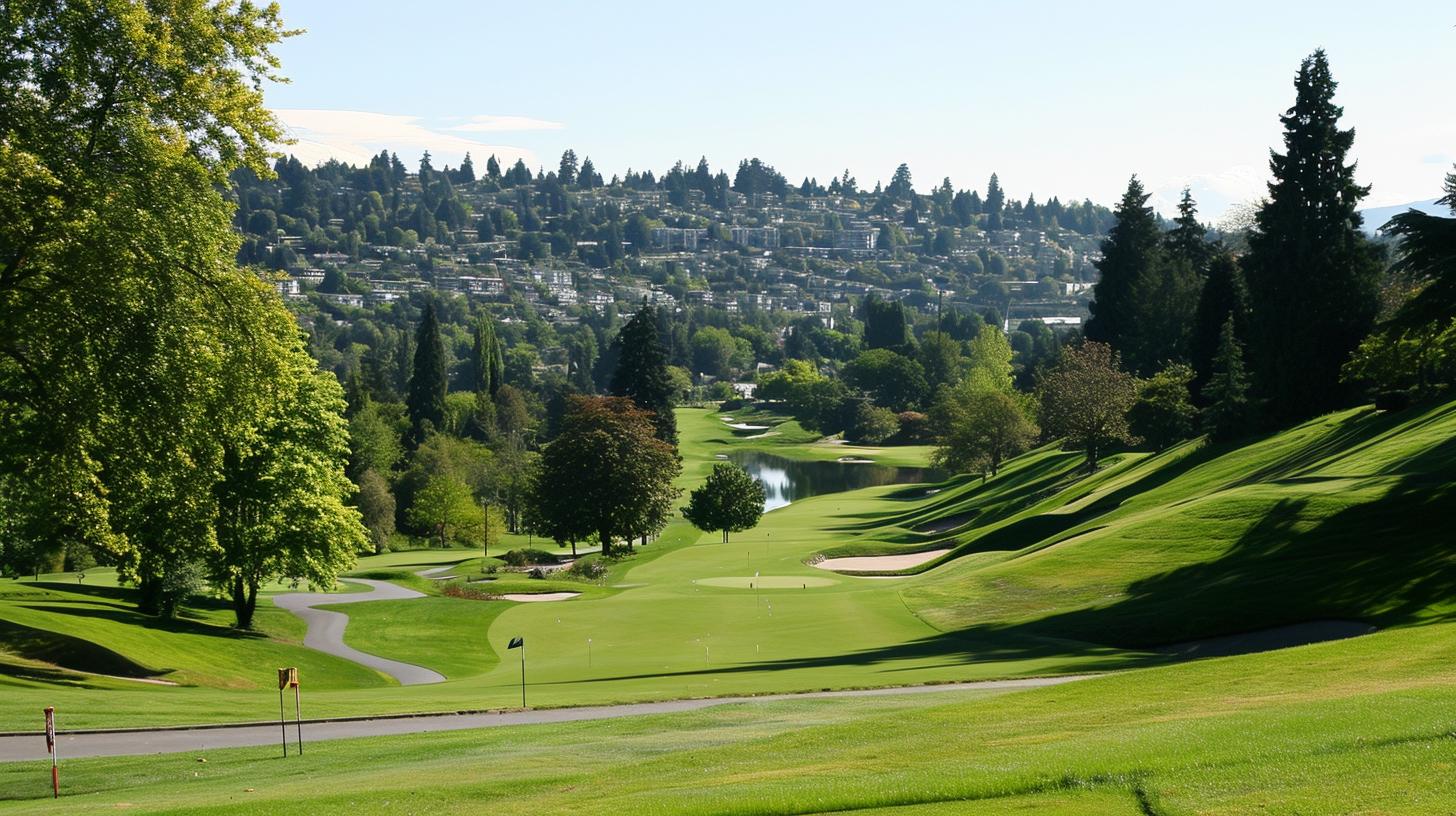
(1229, 413)
(1311, 272)
(1187, 241)
(641, 373)
(1131, 257)
(566, 173)
(492, 167)
(1224, 294)
(488, 358)
(995, 201)
(426, 398)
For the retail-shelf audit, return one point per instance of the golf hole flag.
(519, 642)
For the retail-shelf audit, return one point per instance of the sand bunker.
(766, 581)
(880, 563)
(744, 426)
(537, 597)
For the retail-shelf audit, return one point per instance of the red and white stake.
(50, 719)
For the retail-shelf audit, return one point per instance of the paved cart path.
(326, 627)
(176, 740)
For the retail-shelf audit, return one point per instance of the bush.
(589, 569)
(872, 424)
(528, 557)
(914, 429)
(732, 405)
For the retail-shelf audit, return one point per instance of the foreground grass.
(1357, 726)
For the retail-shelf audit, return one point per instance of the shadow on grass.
(1386, 561)
(66, 651)
(130, 617)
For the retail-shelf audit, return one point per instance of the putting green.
(766, 581)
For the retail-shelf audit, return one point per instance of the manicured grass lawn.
(1052, 572)
(1357, 726)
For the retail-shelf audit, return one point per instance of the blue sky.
(1057, 97)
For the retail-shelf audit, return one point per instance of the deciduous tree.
(730, 501)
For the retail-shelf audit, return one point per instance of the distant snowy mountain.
(1375, 217)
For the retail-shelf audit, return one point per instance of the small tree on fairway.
(1229, 412)
(1085, 399)
(977, 429)
(731, 501)
(605, 473)
(446, 507)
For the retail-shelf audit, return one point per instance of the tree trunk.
(606, 538)
(245, 602)
(725, 535)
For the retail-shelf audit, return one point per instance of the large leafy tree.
(1085, 399)
(427, 385)
(893, 380)
(1312, 273)
(280, 502)
(127, 350)
(1163, 414)
(606, 474)
(447, 509)
(730, 501)
(641, 374)
(979, 428)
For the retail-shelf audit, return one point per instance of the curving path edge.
(326, 627)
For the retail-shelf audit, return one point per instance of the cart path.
(326, 627)
(200, 739)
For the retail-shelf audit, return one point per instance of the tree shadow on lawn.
(131, 617)
(66, 651)
(1386, 561)
(969, 647)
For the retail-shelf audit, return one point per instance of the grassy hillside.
(1356, 726)
(1339, 518)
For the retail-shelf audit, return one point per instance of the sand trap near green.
(766, 581)
(538, 597)
(881, 563)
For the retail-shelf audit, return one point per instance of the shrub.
(528, 557)
(914, 429)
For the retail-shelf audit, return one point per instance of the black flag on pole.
(517, 642)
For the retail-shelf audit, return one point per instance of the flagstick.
(523, 673)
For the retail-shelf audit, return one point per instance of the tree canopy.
(730, 501)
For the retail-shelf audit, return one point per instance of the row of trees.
(1299, 300)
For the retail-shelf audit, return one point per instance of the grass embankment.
(1357, 726)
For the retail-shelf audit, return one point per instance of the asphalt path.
(199, 740)
(326, 627)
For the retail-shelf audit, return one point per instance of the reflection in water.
(786, 480)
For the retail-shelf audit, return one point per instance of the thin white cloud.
(501, 124)
(355, 136)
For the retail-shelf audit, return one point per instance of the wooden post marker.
(286, 678)
(50, 734)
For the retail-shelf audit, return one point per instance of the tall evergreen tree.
(1229, 413)
(1131, 257)
(995, 202)
(488, 358)
(566, 173)
(1312, 274)
(492, 167)
(641, 373)
(1224, 295)
(1188, 240)
(426, 398)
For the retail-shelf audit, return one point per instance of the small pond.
(787, 480)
